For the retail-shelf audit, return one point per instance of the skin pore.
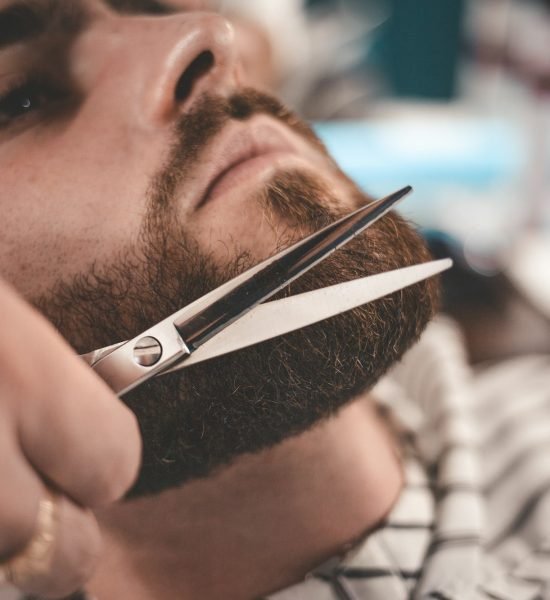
(119, 207)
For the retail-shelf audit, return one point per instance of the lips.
(242, 155)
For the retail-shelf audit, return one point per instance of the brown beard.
(201, 418)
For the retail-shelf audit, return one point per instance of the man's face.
(139, 172)
(88, 116)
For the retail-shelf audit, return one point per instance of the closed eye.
(148, 7)
(25, 99)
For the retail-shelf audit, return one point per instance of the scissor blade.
(276, 318)
(126, 365)
(283, 269)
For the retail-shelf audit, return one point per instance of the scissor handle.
(134, 361)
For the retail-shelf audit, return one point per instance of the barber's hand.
(61, 430)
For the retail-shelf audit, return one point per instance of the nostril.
(196, 69)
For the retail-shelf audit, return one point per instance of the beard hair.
(199, 419)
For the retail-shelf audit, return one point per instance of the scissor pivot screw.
(147, 351)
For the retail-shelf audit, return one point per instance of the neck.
(258, 525)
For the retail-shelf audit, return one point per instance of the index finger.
(71, 427)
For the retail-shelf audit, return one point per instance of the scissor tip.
(389, 201)
(405, 190)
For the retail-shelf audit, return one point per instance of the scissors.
(232, 316)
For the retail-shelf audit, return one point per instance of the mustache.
(196, 129)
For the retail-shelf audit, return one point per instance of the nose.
(187, 55)
(197, 55)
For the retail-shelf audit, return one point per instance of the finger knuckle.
(75, 556)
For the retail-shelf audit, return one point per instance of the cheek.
(232, 226)
(64, 210)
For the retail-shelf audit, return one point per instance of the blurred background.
(452, 97)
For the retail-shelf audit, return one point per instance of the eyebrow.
(27, 19)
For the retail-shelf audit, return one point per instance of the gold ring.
(37, 556)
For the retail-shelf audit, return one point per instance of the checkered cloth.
(473, 520)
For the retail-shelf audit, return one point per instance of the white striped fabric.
(473, 521)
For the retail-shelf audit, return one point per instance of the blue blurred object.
(420, 45)
(427, 152)
(466, 172)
